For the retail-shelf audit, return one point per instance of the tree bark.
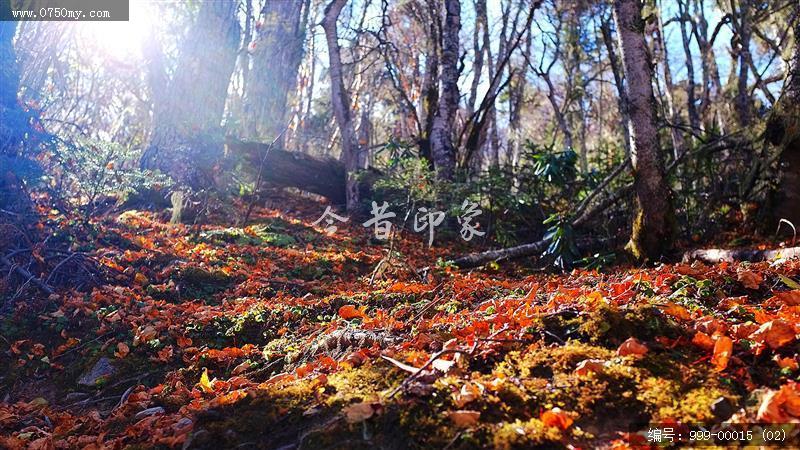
(653, 224)
(442, 148)
(278, 50)
(325, 177)
(340, 99)
(743, 35)
(188, 108)
(783, 130)
(619, 83)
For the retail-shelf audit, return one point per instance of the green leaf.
(789, 282)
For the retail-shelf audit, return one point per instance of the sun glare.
(121, 39)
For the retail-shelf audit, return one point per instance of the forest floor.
(281, 336)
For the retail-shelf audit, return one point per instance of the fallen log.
(325, 177)
(718, 255)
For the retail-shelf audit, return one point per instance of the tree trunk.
(325, 177)
(340, 100)
(694, 117)
(783, 130)
(442, 149)
(742, 102)
(188, 110)
(278, 50)
(616, 70)
(678, 142)
(653, 222)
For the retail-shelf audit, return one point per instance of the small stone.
(149, 412)
(100, 372)
(722, 408)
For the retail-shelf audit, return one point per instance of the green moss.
(530, 434)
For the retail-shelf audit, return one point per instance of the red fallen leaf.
(183, 341)
(633, 347)
(781, 406)
(588, 366)
(723, 348)
(748, 278)
(775, 334)
(791, 298)
(348, 312)
(557, 418)
(240, 368)
(464, 418)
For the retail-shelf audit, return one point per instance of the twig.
(29, 277)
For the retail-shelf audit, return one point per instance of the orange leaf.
(749, 279)
(703, 341)
(781, 406)
(122, 350)
(775, 334)
(791, 298)
(469, 392)
(557, 418)
(588, 366)
(722, 353)
(677, 311)
(464, 418)
(632, 347)
(348, 312)
(786, 363)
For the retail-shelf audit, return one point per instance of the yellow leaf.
(205, 384)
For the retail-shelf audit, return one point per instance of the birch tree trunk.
(619, 83)
(653, 223)
(188, 108)
(442, 149)
(276, 60)
(340, 100)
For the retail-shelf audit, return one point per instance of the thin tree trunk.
(742, 102)
(678, 142)
(709, 111)
(653, 222)
(479, 48)
(340, 100)
(442, 149)
(616, 71)
(694, 117)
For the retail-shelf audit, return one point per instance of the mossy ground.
(290, 333)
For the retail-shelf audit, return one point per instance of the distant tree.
(276, 54)
(188, 108)
(340, 99)
(442, 149)
(653, 224)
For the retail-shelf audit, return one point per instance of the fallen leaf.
(781, 406)
(122, 350)
(723, 348)
(676, 311)
(703, 341)
(786, 363)
(205, 384)
(469, 392)
(775, 334)
(588, 366)
(557, 418)
(240, 368)
(348, 312)
(791, 298)
(632, 347)
(464, 418)
(358, 412)
(140, 279)
(748, 278)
